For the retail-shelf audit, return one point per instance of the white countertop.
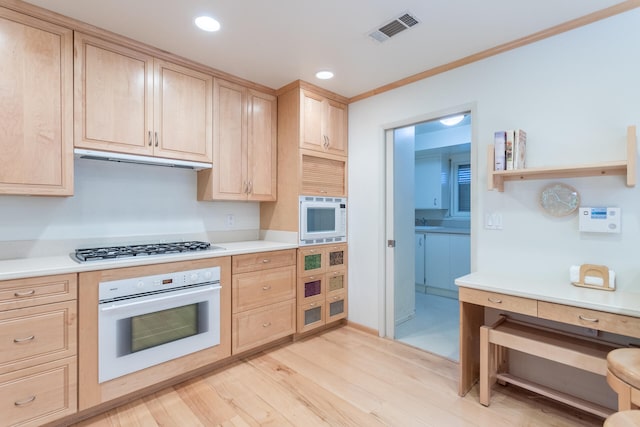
(44, 266)
(561, 292)
(440, 229)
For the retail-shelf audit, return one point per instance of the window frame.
(458, 160)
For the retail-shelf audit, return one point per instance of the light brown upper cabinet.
(130, 102)
(36, 116)
(323, 124)
(244, 145)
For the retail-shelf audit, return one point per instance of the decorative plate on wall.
(559, 199)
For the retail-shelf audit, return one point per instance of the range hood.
(80, 153)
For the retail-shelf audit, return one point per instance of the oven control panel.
(123, 288)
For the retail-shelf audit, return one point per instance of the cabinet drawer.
(336, 282)
(311, 261)
(262, 260)
(260, 288)
(500, 301)
(260, 326)
(311, 315)
(37, 334)
(37, 290)
(35, 396)
(609, 322)
(311, 288)
(336, 307)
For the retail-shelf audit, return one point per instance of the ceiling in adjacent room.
(276, 42)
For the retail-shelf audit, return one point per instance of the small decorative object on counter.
(593, 276)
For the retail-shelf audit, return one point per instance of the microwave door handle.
(112, 307)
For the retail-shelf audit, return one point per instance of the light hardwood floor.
(342, 377)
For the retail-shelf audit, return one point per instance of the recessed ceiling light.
(453, 120)
(207, 23)
(324, 75)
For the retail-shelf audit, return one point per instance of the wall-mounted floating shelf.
(627, 167)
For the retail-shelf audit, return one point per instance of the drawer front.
(311, 288)
(262, 260)
(260, 288)
(311, 261)
(34, 396)
(336, 282)
(37, 290)
(336, 307)
(37, 334)
(594, 319)
(500, 301)
(311, 315)
(261, 326)
(336, 256)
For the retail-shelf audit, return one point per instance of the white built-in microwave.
(322, 220)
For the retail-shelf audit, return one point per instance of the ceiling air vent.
(389, 29)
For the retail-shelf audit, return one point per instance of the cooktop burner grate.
(112, 252)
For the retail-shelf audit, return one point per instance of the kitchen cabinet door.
(244, 146)
(420, 258)
(432, 182)
(183, 118)
(36, 106)
(459, 257)
(436, 261)
(113, 97)
(262, 121)
(130, 102)
(323, 124)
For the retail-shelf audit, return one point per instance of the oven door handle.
(162, 298)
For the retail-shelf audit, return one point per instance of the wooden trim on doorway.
(625, 6)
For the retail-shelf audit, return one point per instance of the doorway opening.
(429, 173)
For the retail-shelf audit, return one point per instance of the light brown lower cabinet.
(322, 285)
(38, 349)
(264, 298)
(40, 394)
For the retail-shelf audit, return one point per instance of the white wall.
(113, 202)
(574, 94)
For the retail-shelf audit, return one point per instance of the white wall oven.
(322, 220)
(144, 321)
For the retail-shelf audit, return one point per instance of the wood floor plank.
(343, 377)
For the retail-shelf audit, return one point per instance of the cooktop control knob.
(193, 277)
(208, 275)
(140, 284)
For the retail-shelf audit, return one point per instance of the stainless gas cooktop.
(114, 252)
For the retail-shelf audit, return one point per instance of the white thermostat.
(599, 220)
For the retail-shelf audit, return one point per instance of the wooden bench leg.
(488, 365)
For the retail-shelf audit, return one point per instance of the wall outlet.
(230, 220)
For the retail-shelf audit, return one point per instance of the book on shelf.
(519, 149)
(508, 148)
(499, 148)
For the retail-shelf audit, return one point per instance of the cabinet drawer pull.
(24, 294)
(266, 325)
(150, 139)
(156, 138)
(313, 304)
(266, 288)
(588, 319)
(26, 339)
(265, 261)
(495, 300)
(25, 401)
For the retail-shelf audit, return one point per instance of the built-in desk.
(616, 312)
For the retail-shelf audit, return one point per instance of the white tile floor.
(435, 328)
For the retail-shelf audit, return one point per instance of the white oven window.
(154, 329)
